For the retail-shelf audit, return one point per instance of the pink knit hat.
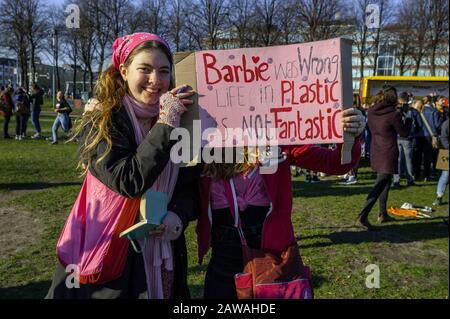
(123, 46)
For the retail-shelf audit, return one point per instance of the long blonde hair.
(224, 171)
(110, 90)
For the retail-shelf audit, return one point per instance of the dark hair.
(404, 96)
(426, 99)
(389, 95)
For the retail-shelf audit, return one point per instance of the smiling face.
(148, 75)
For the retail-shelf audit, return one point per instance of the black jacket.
(130, 170)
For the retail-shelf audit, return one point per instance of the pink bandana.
(123, 46)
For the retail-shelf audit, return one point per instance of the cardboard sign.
(298, 91)
(442, 161)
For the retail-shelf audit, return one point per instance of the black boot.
(364, 223)
(384, 218)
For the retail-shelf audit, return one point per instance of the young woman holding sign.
(125, 148)
(264, 204)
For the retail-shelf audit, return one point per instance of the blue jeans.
(35, 120)
(442, 184)
(405, 149)
(61, 120)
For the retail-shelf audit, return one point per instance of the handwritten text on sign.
(295, 89)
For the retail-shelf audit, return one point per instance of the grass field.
(39, 183)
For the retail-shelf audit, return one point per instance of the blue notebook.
(152, 211)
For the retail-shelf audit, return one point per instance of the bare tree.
(267, 12)
(16, 38)
(116, 12)
(288, 20)
(177, 10)
(404, 39)
(86, 37)
(386, 14)
(361, 35)
(319, 19)
(438, 29)
(443, 59)
(55, 19)
(241, 19)
(418, 12)
(103, 26)
(35, 27)
(155, 16)
(404, 49)
(207, 22)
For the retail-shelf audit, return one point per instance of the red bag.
(266, 275)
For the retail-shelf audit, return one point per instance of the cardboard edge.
(347, 95)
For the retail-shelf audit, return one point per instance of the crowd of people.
(417, 156)
(23, 106)
(400, 142)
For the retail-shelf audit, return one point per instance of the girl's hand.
(158, 231)
(173, 104)
(183, 93)
(353, 121)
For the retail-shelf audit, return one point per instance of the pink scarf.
(156, 251)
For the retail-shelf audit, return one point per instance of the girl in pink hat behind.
(125, 152)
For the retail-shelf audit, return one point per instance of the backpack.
(23, 106)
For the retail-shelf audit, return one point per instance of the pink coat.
(278, 231)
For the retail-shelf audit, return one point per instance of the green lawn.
(39, 183)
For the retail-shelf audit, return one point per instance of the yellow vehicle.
(416, 85)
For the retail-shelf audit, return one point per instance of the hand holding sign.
(183, 93)
(353, 121)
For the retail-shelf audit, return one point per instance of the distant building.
(9, 75)
(8, 72)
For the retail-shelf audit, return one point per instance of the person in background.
(63, 109)
(7, 109)
(367, 136)
(22, 111)
(385, 123)
(37, 98)
(424, 148)
(441, 108)
(406, 144)
(443, 180)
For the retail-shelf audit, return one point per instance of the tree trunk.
(74, 69)
(433, 61)
(101, 59)
(84, 80)
(33, 63)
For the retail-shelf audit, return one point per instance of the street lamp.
(54, 43)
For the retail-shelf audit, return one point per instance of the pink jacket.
(278, 231)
